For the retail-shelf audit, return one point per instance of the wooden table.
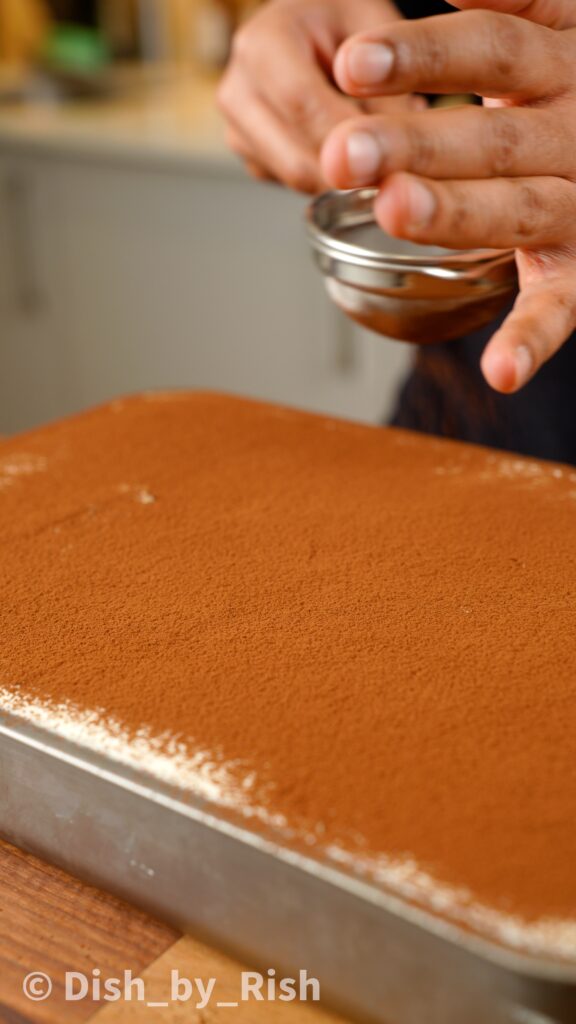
(52, 923)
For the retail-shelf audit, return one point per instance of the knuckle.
(558, 50)
(423, 147)
(255, 38)
(529, 211)
(460, 210)
(301, 106)
(504, 36)
(502, 140)
(242, 43)
(564, 302)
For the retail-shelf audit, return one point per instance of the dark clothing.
(447, 395)
(422, 8)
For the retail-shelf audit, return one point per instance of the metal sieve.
(400, 289)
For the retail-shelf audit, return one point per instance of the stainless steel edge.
(388, 279)
(464, 263)
(466, 266)
(377, 958)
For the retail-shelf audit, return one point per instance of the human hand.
(278, 96)
(472, 177)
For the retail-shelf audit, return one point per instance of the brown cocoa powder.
(373, 631)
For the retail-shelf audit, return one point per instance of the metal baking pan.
(377, 958)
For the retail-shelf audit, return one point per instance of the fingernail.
(422, 205)
(524, 365)
(364, 155)
(370, 63)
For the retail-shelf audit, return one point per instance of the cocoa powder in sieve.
(374, 632)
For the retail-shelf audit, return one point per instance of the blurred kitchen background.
(134, 251)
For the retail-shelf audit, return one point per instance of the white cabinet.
(119, 276)
(32, 362)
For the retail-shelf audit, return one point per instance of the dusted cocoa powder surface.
(374, 632)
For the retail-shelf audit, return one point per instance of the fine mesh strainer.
(400, 289)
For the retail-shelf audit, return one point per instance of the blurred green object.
(76, 49)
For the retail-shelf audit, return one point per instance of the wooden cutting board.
(52, 923)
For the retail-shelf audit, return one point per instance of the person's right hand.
(278, 96)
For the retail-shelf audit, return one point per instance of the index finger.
(485, 52)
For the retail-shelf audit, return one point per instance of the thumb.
(542, 320)
(560, 14)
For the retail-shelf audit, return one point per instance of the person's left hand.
(502, 176)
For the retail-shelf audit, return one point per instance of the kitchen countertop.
(164, 114)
